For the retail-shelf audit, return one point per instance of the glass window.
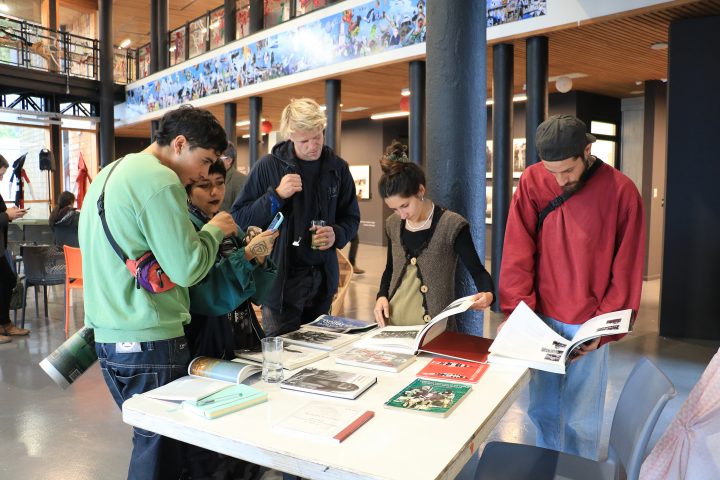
(77, 143)
(306, 6)
(16, 141)
(605, 151)
(276, 12)
(144, 60)
(603, 128)
(217, 28)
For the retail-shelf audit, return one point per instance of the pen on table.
(217, 399)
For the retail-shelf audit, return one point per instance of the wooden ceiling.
(614, 53)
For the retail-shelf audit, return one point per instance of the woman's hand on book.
(382, 311)
(482, 300)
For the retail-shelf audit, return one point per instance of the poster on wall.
(488, 158)
(361, 176)
(506, 11)
(518, 156)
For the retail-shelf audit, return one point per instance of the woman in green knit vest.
(424, 244)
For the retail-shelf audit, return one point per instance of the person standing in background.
(234, 180)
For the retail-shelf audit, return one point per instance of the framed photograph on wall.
(361, 176)
(488, 204)
(518, 156)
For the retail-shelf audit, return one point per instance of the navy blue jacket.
(258, 203)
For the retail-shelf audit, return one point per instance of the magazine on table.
(452, 370)
(294, 356)
(319, 338)
(431, 337)
(429, 396)
(528, 341)
(206, 376)
(375, 359)
(329, 422)
(339, 324)
(334, 383)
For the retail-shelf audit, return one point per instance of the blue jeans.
(567, 410)
(127, 374)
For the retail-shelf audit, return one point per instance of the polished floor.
(52, 434)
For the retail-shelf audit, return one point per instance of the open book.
(320, 338)
(431, 337)
(206, 376)
(526, 340)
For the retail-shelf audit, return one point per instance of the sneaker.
(12, 330)
(4, 339)
(358, 270)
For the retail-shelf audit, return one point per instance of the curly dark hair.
(400, 177)
(198, 126)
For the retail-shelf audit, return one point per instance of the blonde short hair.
(301, 114)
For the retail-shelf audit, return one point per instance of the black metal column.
(502, 123)
(332, 111)
(257, 16)
(255, 120)
(537, 92)
(52, 14)
(107, 113)
(230, 21)
(230, 121)
(457, 122)
(162, 35)
(153, 36)
(51, 105)
(416, 120)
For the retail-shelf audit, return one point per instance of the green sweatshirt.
(146, 210)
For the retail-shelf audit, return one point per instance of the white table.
(393, 445)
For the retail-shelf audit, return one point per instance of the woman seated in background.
(223, 320)
(424, 244)
(64, 221)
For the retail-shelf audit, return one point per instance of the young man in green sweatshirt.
(139, 335)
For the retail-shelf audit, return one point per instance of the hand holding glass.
(272, 367)
(314, 225)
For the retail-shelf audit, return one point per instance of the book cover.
(329, 382)
(452, 370)
(342, 324)
(317, 338)
(375, 359)
(235, 371)
(294, 356)
(527, 341)
(325, 421)
(428, 396)
(459, 346)
(228, 400)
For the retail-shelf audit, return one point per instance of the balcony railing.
(29, 45)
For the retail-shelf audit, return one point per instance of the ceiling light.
(323, 107)
(563, 84)
(572, 75)
(246, 123)
(659, 46)
(4, 7)
(380, 116)
(247, 135)
(354, 109)
(125, 43)
(405, 92)
(637, 92)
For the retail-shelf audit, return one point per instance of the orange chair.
(73, 277)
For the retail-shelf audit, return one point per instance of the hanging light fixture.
(4, 7)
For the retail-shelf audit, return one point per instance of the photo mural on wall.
(374, 27)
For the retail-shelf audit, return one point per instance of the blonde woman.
(305, 180)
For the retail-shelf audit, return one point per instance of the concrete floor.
(48, 433)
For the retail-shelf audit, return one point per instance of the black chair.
(14, 241)
(39, 235)
(66, 235)
(44, 265)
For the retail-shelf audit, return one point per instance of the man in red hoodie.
(581, 258)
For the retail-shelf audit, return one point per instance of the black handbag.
(246, 329)
(17, 297)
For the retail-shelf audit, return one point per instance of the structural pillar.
(332, 111)
(257, 16)
(502, 154)
(231, 121)
(255, 121)
(416, 120)
(107, 112)
(457, 122)
(162, 35)
(153, 36)
(51, 105)
(537, 92)
(229, 21)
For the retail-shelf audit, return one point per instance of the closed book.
(329, 422)
(428, 396)
(375, 359)
(451, 370)
(333, 383)
(228, 400)
(319, 338)
(339, 324)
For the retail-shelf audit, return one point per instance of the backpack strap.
(560, 199)
(101, 212)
